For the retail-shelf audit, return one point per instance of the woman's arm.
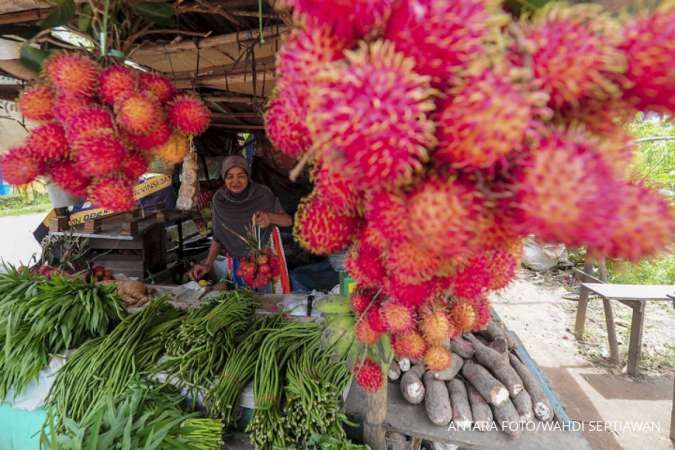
(214, 251)
(266, 218)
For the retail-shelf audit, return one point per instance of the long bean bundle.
(104, 366)
(40, 316)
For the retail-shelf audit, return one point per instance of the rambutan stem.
(297, 170)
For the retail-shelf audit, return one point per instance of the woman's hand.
(262, 219)
(199, 270)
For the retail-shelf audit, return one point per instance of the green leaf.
(64, 11)
(84, 18)
(32, 57)
(159, 13)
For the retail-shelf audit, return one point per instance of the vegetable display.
(40, 316)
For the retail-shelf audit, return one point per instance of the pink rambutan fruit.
(435, 325)
(463, 314)
(645, 225)
(66, 107)
(138, 114)
(481, 306)
(116, 82)
(484, 120)
(188, 114)
(67, 175)
(397, 316)
(99, 152)
(414, 295)
(113, 192)
(375, 318)
(87, 120)
(335, 188)
(321, 229)
(347, 19)
(37, 102)
(473, 280)
(369, 115)
(437, 358)
(153, 140)
(368, 375)
(158, 85)
(362, 298)
(446, 217)
(364, 264)
(385, 213)
(48, 143)
(365, 333)
(501, 265)
(409, 344)
(72, 74)
(411, 263)
(443, 37)
(649, 45)
(575, 56)
(134, 165)
(19, 166)
(285, 124)
(565, 191)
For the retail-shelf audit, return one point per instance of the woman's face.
(236, 180)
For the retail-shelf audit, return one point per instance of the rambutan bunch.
(116, 82)
(37, 102)
(574, 55)
(99, 152)
(447, 216)
(321, 229)
(19, 166)
(368, 375)
(646, 225)
(65, 107)
(285, 123)
(565, 190)
(364, 263)
(67, 175)
(113, 192)
(443, 37)
(649, 46)
(188, 114)
(347, 19)
(86, 121)
(481, 121)
(369, 115)
(154, 140)
(47, 143)
(72, 74)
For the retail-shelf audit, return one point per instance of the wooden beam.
(231, 79)
(237, 115)
(262, 64)
(210, 42)
(30, 15)
(234, 99)
(229, 126)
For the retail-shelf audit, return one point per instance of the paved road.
(17, 244)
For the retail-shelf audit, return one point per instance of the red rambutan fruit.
(473, 280)
(443, 37)
(480, 123)
(409, 344)
(645, 225)
(385, 213)
(347, 19)
(87, 120)
(285, 124)
(501, 265)
(66, 107)
(435, 325)
(437, 358)
(463, 315)
(72, 74)
(153, 140)
(575, 55)
(447, 216)
(365, 333)
(369, 114)
(649, 45)
(361, 299)
(138, 113)
(321, 229)
(112, 192)
(375, 319)
(48, 143)
(414, 295)
(481, 306)
(37, 102)
(19, 166)
(336, 189)
(116, 82)
(364, 264)
(158, 85)
(411, 263)
(98, 153)
(189, 115)
(369, 375)
(134, 165)
(70, 178)
(397, 316)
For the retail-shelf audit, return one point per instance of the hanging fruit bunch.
(259, 269)
(98, 128)
(442, 132)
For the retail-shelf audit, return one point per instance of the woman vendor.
(236, 206)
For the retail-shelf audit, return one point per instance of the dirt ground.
(635, 413)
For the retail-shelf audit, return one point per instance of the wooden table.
(636, 297)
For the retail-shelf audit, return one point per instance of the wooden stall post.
(376, 412)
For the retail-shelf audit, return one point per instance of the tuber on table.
(507, 418)
(498, 365)
(462, 347)
(480, 410)
(489, 387)
(450, 372)
(541, 404)
(437, 400)
(411, 385)
(394, 372)
(461, 409)
(404, 364)
(523, 404)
